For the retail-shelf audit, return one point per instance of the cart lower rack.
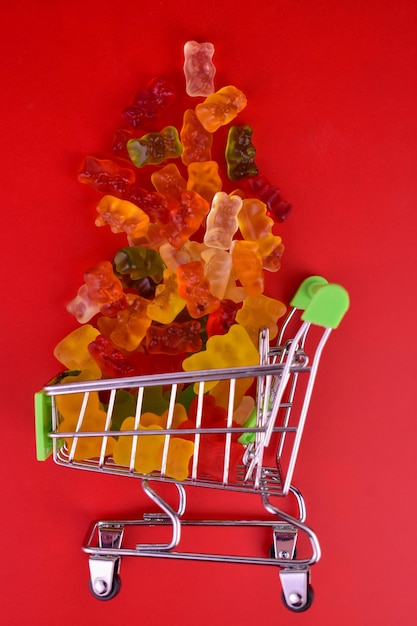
(255, 455)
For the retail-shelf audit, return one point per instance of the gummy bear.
(272, 262)
(211, 462)
(149, 104)
(120, 139)
(234, 349)
(103, 287)
(155, 147)
(179, 415)
(261, 188)
(247, 263)
(212, 446)
(259, 312)
(149, 451)
(73, 417)
(129, 327)
(115, 364)
(240, 153)
(196, 140)
(194, 287)
(154, 204)
(82, 307)
(110, 360)
(203, 177)
(217, 268)
(244, 410)
(220, 320)
(122, 216)
(139, 262)
(220, 108)
(173, 257)
(167, 303)
(106, 176)
(72, 351)
(255, 225)
(186, 217)
(169, 182)
(199, 69)
(221, 391)
(90, 447)
(222, 221)
(175, 338)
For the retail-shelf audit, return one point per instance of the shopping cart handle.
(306, 291)
(323, 303)
(43, 425)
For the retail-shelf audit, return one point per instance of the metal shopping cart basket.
(268, 442)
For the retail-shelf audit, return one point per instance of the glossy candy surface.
(175, 338)
(220, 108)
(222, 221)
(106, 176)
(148, 104)
(203, 177)
(240, 153)
(155, 147)
(122, 216)
(186, 290)
(167, 303)
(185, 218)
(196, 140)
(247, 263)
(139, 262)
(199, 69)
(194, 287)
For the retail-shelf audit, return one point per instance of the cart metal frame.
(285, 379)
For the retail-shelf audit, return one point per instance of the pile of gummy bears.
(187, 290)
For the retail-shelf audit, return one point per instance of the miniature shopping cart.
(269, 440)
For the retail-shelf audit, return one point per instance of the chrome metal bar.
(173, 518)
(107, 427)
(304, 409)
(106, 384)
(314, 542)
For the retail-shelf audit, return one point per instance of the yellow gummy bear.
(72, 351)
(93, 420)
(179, 416)
(122, 216)
(167, 302)
(204, 178)
(234, 349)
(149, 452)
(259, 312)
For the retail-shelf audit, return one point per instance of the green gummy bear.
(154, 148)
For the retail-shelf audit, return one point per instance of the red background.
(332, 96)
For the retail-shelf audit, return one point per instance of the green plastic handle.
(307, 290)
(323, 303)
(43, 425)
(328, 306)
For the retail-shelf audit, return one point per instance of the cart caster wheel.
(296, 606)
(99, 588)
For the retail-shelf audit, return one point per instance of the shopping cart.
(269, 442)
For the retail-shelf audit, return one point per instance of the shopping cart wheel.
(105, 580)
(100, 591)
(295, 603)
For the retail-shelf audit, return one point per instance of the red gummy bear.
(105, 176)
(260, 187)
(220, 320)
(148, 104)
